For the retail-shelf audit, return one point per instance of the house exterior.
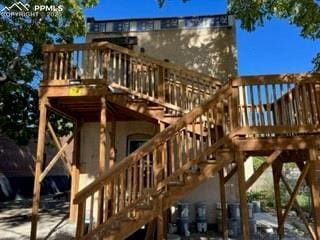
(205, 44)
(161, 116)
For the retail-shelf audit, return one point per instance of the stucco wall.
(208, 50)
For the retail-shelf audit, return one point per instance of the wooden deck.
(277, 116)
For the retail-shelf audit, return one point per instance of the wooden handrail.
(176, 87)
(275, 79)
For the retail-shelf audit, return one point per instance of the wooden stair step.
(155, 108)
(144, 206)
(176, 183)
(209, 161)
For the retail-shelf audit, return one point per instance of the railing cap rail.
(276, 78)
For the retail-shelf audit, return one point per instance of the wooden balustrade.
(278, 103)
(150, 169)
(105, 63)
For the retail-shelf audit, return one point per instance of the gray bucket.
(219, 210)
(234, 210)
(252, 226)
(256, 206)
(202, 226)
(250, 210)
(234, 228)
(201, 211)
(183, 227)
(183, 211)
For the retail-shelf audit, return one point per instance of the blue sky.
(275, 48)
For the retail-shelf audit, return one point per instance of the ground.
(15, 220)
(53, 225)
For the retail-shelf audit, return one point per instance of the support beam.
(294, 194)
(231, 174)
(59, 146)
(300, 211)
(38, 167)
(112, 154)
(162, 219)
(103, 136)
(314, 191)
(151, 229)
(243, 195)
(254, 177)
(276, 172)
(223, 205)
(102, 153)
(75, 172)
(55, 158)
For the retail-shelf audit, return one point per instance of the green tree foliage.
(21, 41)
(305, 14)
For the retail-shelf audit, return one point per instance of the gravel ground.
(15, 220)
(15, 223)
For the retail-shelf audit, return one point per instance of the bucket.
(234, 210)
(234, 228)
(183, 211)
(183, 227)
(252, 226)
(250, 210)
(219, 210)
(256, 206)
(201, 211)
(202, 226)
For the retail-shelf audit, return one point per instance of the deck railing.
(105, 63)
(278, 103)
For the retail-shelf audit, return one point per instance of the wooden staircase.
(209, 121)
(157, 174)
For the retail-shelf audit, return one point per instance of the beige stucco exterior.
(208, 50)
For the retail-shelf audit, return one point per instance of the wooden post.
(112, 154)
(162, 219)
(276, 172)
(223, 205)
(75, 172)
(242, 195)
(102, 153)
(80, 220)
(38, 167)
(314, 191)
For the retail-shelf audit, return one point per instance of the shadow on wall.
(210, 51)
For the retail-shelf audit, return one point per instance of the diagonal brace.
(273, 156)
(294, 193)
(55, 159)
(300, 211)
(59, 146)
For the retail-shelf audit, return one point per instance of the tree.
(305, 14)
(21, 41)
